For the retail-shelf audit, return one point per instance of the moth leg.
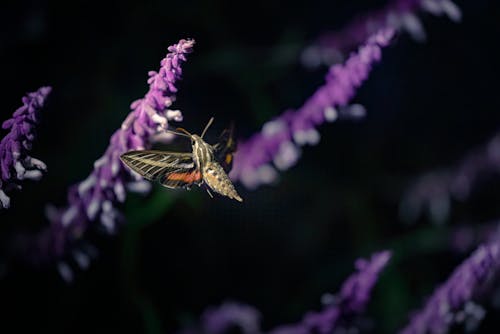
(208, 191)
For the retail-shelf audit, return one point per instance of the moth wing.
(171, 169)
(225, 148)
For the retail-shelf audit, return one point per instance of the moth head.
(195, 139)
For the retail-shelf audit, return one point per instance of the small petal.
(331, 114)
(81, 259)
(414, 27)
(38, 164)
(119, 191)
(273, 127)
(140, 187)
(65, 272)
(93, 208)
(86, 184)
(174, 115)
(20, 170)
(4, 199)
(68, 215)
(34, 175)
(452, 10)
(287, 156)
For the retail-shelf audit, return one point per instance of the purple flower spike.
(280, 138)
(331, 47)
(95, 197)
(220, 320)
(16, 164)
(351, 300)
(451, 303)
(356, 289)
(434, 191)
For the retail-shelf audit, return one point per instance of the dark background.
(428, 105)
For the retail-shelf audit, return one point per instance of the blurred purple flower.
(16, 164)
(435, 190)
(279, 139)
(350, 301)
(331, 47)
(96, 196)
(219, 320)
(451, 303)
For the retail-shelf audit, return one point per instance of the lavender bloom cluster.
(281, 137)
(95, 197)
(16, 165)
(350, 301)
(451, 302)
(331, 47)
(434, 191)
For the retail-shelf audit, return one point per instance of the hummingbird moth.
(206, 163)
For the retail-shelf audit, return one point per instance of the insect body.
(181, 170)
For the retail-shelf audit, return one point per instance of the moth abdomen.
(216, 178)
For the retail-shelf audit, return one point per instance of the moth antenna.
(177, 133)
(185, 131)
(207, 126)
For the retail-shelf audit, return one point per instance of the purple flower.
(220, 320)
(351, 300)
(281, 137)
(331, 47)
(15, 163)
(452, 302)
(435, 190)
(95, 197)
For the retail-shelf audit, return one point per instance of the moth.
(206, 164)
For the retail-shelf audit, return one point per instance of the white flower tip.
(115, 166)
(65, 272)
(287, 156)
(311, 57)
(452, 10)
(267, 174)
(252, 178)
(119, 191)
(140, 187)
(34, 175)
(431, 6)
(303, 137)
(174, 115)
(38, 164)
(414, 27)
(108, 222)
(272, 127)
(20, 170)
(93, 208)
(162, 137)
(100, 162)
(107, 206)
(160, 120)
(331, 114)
(355, 111)
(86, 184)
(51, 212)
(69, 215)
(82, 259)
(4, 200)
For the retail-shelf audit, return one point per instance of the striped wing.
(225, 149)
(171, 169)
